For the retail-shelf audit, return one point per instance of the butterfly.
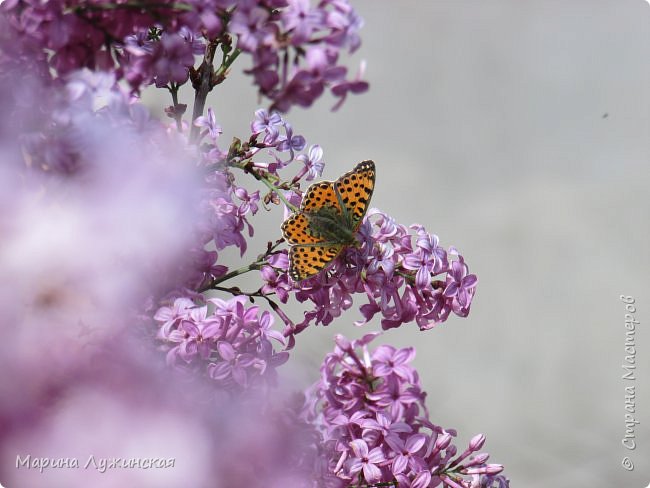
(327, 221)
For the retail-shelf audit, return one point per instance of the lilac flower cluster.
(222, 217)
(91, 35)
(91, 167)
(163, 59)
(403, 280)
(64, 139)
(370, 410)
(270, 132)
(225, 206)
(231, 344)
(295, 46)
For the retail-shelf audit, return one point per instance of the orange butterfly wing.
(306, 261)
(296, 230)
(355, 189)
(320, 195)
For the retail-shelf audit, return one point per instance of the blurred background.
(516, 130)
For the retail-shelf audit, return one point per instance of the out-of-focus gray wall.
(516, 130)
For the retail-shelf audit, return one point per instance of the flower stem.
(264, 179)
(208, 79)
(245, 269)
(275, 189)
(203, 86)
(261, 260)
(173, 89)
(226, 63)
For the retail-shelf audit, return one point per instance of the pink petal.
(451, 289)
(371, 473)
(220, 371)
(376, 455)
(404, 355)
(189, 327)
(469, 281)
(399, 464)
(415, 443)
(226, 351)
(240, 376)
(360, 448)
(395, 443)
(422, 480)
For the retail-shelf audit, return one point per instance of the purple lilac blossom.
(112, 389)
(84, 245)
(295, 46)
(210, 126)
(313, 164)
(375, 426)
(172, 59)
(290, 142)
(320, 31)
(266, 123)
(79, 155)
(225, 206)
(406, 276)
(401, 282)
(233, 345)
(106, 393)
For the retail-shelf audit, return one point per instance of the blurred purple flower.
(301, 20)
(355, 86)
(197, 45)
(172, 59)
(251, 25)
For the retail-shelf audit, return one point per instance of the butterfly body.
(328, 220)
(328, 224)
